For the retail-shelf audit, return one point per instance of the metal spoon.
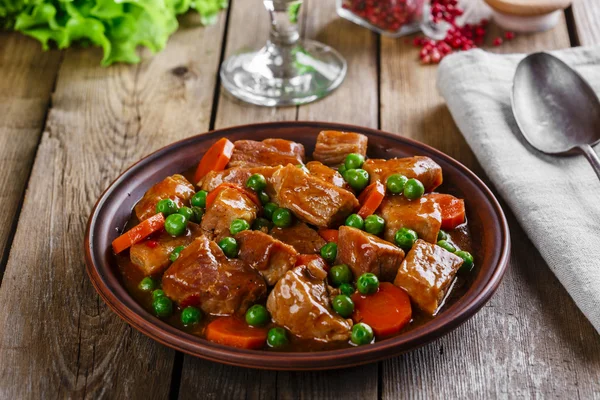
(555, 108)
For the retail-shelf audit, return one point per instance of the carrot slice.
(215, 158)
(232, 331)
(453, 209)
(210, 198)
(330, 235)
(386, 311)
(371, 198)
(138, 233)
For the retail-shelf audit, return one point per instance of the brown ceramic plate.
(488, 226)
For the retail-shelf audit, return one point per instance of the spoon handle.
(592, 157)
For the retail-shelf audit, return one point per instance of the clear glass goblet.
(287, 71)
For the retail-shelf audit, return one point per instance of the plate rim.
(296, 361)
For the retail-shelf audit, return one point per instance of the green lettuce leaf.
(117, 26)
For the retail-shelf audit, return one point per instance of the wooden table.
(69, 127)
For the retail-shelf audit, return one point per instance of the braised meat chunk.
(287, 147)
(230, 204)
(300, 303)
(204, 276)
(311, 199)
(269, 152)
(301, 237)
(175, 187)
(330, 175)
(422, 168)
(426, 273)
(152, 255)
(333, 146)
(237, 176)
(364, 252)
(422, 215)
(269, 256)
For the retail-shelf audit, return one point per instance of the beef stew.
(248, 243)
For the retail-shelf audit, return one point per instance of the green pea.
(157, 293)
(354, 161)
(413, 189)
(442, 235)
(358, 179)
(163, 306)
(198, 214)
(199, 199)
(339, 274)
(468, 260)
(166, 206)
(446, 245)
(147, 284)
(343, 305)
(405, 238)
(256, 182)
(277, 337)
(229, 246)
(361, 334)
(374, 224)
(257, 315)
(175, 253)
(282, 217)
(238, 225)
(355, 221)
(367, 283)
(347, 289)
(263, 197)
(269, 209)
(175, 224)
(395, 183)
(342, 168)
(260, 224)
(329, 252)
(191, 316)
(187, 212)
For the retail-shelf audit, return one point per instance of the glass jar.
(389, 17)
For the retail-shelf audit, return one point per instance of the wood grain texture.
(248, 31)
(586, 14)
(528, 7)
(23, 105)
(356, 100)
(58, 339)
(530, 340)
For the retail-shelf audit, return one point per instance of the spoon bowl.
(556, 110)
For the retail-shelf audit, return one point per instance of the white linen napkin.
(556, 200)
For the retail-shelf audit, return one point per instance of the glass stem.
(284, 21)
(284, 36)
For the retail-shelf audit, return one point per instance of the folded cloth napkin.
(556, 200)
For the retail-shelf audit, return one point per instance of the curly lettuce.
(118, 26)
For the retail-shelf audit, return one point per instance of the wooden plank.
(28, 76)
(248, 30)
(530, 340)
(57, 338)
(354, 102)
(586, 14)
